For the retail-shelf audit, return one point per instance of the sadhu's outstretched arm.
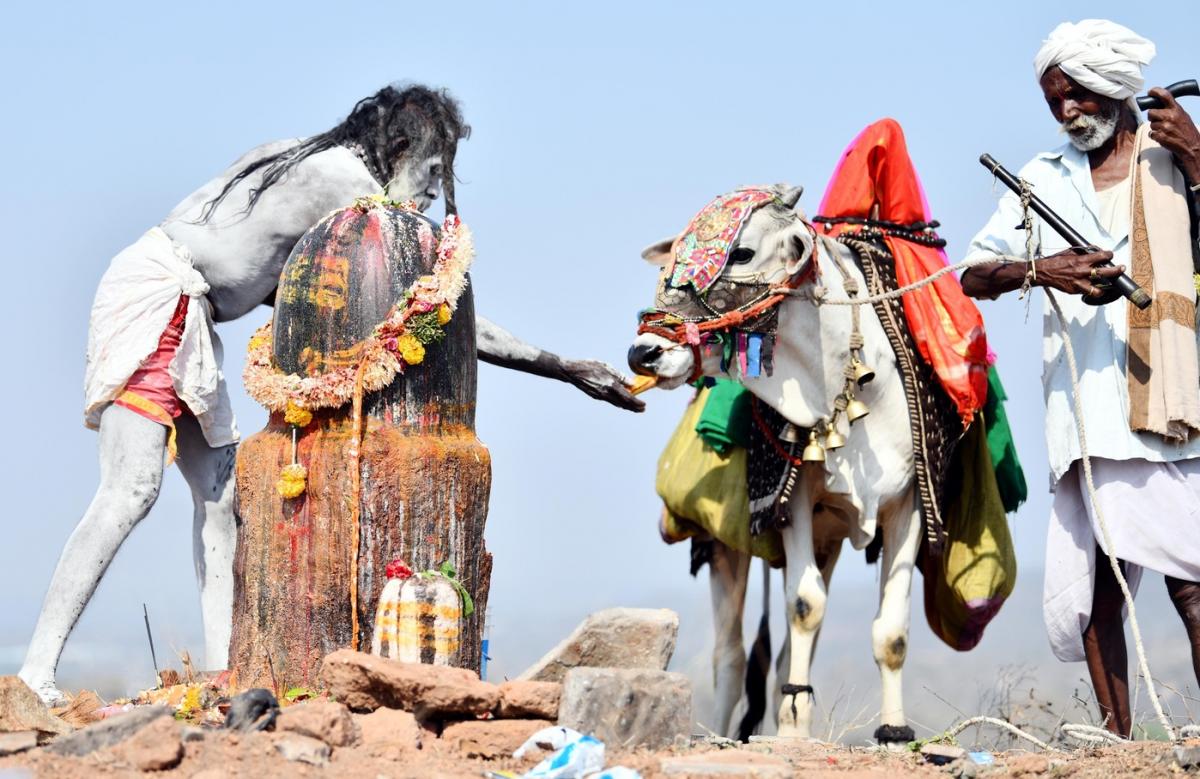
(499, 347)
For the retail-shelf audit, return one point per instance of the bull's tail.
(758, 664)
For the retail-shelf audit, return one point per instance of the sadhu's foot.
(46, 690)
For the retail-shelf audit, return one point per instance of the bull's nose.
(642, 357)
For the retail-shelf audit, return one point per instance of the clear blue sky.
(598, 128)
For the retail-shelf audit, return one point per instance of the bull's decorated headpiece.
(695, 305)
(702, 251)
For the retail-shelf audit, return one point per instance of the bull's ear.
(799, 248)
(659, 253)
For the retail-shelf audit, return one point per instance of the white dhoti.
(135, 301)
(1152, 511)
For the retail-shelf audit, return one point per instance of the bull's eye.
(741, 255)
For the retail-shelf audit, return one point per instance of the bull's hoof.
(894, 735)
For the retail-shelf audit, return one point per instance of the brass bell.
(862, 373)
(834, 439)
(813, 453)
(790, 434)
(856, 410)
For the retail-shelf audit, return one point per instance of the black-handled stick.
(1187, 88)
(1122, 284)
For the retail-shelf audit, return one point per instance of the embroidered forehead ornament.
(700, 254)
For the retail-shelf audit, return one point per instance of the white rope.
(1143, 664)
(1090, 734)
(893, 294)
(1011, 728)
(1108, 544)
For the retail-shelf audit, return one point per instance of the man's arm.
(1067, 271)
(499, 347)
(1172, 127)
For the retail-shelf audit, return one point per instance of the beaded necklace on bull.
(692, 291)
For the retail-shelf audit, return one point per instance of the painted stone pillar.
(424, 477)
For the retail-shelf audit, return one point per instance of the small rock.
(328, 721)
(963, 768)
(1187, 757)
(941, 754)
(12, 743)
(625, 707)
(108, 732)
(21, 709)
(255, 709)
(155, 747)
(389, 726)
(728, 762)
(191, 733)
(367, 682)
(302, 749)
(82, 711)
(612, 638)
(490, 739)
(537, 700)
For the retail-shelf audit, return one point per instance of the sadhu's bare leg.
(209, 474)
(1186, 597)
(1104, 648)
(132, 450)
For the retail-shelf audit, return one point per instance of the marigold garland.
(400, 339)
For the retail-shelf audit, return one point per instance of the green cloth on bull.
(725, 421)
(1010, 478)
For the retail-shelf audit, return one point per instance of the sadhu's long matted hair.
(392, 124)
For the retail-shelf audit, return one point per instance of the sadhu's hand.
(1077, 274)
(1172, 127)
(603, 382)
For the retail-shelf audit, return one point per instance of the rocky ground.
(375, 717)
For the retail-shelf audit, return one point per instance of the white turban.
(1099, 55)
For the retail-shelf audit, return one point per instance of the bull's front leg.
(889, 632)
(806, 595)
(729, 570)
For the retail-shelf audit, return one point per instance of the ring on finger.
(1094, 275)
(1093, 292)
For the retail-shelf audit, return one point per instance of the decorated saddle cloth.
(135, 302)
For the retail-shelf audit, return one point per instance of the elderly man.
(154, 382)
(1130, 188)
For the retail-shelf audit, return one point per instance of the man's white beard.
(1088, 133)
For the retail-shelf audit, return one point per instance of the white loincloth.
(134, 304)
(1153, 514)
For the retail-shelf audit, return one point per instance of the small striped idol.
(418, 617)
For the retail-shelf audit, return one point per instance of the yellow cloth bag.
(966, 586)
(705, 493)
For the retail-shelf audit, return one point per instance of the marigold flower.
(297, 415)
(293, 480)
(443, 314)
(411, 350)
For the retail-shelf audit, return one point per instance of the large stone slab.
(21, 710)
(612, 638)
(627, 708)
(365, 682)
(108, 732)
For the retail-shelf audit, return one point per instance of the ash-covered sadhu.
(369, 370)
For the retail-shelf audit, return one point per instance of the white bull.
(867, 483)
